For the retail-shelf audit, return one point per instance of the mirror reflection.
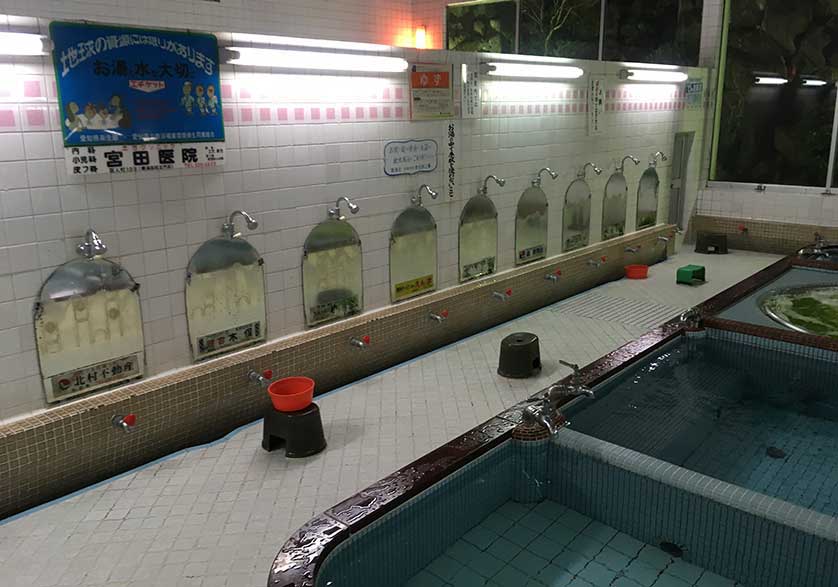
(88, 324)
(531, 221)
(647, 198)
(614, 206)
(576, 217)
(413, 250)
(478, 238)
(225, 293)
(333, 285)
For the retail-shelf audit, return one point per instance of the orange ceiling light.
(421, 37)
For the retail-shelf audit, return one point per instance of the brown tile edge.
(73, 445)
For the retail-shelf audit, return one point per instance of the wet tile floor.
(216, 515)
(549, 545)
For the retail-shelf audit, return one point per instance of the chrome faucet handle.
(263, 378)
(93, 246)
(653, 161)
(228, 229)
(485, 189)
(125, 423)
(690, 317)
(416, 199)
(537, 181)
(631, 158)
(582, 172)
(336, 213)
(631, 249)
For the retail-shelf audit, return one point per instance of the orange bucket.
(291, 394)
(637, 271)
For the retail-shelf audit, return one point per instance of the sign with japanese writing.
(136, 99)
(96, 376)
(409, 157)
(470, 99)
(431, 91)
(693, 92)
(228, 339)
(408, 289)
(596, 105)
(451, 143)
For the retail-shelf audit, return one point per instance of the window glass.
(481, 26)
(653, 31)
(778, 99)
(560, 28)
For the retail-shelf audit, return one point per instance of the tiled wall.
(767, 236)
(788, 204)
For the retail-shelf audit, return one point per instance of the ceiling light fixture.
(815, 83)
(288, 59)
(652, 75)
(22, 44)
(770, 80)
(534, 71)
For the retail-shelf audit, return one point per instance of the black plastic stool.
(519, 356)
(711, 243)
(301, 431)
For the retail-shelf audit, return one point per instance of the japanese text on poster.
(470, 99)
(409, 157)
(431, 92)
(156, 91)
(596, 105)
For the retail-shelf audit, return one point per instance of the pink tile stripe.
(7, 118)
(36, 117)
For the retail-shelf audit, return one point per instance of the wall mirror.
(333, 286)
(576, 215)
(615, 201)
(478, 246)
(88, 324)
(531, 222)
(647, 198)
(225, 293)
(413, 250)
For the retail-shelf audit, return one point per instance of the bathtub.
(618, 476)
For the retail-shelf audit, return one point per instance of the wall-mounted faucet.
(360, 343)
(537, 181)
(653, 162)
(503, 296)
(690, 318)
(663, 239)
(125, 423)
(545, 410)
(554, 276)
(263, 379)
(631, 158)
(597, 263)
(335, 212)
(576, 386)
(583, 171)
(92, 245)
(485, 189)
(632, 250)
(228, 229)
(441, 317)
(416, 199)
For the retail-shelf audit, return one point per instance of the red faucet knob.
(742, 228)
(509, 292)
(604, 258)
(366, 339)
(558, 271)
(444, 313)
(268, 374)
(129, 420)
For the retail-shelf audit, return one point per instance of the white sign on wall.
(411, 156)
(470, 98)
(596, 104)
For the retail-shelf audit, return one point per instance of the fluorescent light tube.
(650, 65)
(654, 75)
(287, 59)
(21, 44)
(814, 82)
(771, 81)
(537, 71)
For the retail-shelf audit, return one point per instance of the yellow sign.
(410, 288)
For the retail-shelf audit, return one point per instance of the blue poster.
(129, 86)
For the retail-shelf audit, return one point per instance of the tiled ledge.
(71, 446)
(764, 236)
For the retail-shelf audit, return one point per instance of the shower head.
(229, 227)
(485, 189)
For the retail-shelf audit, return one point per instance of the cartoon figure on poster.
(129, 86)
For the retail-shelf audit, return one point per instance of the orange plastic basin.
(637, 271)
(291, 394)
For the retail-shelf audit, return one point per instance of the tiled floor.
(217, 514)
(549, 545)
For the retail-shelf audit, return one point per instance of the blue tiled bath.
(626, 510)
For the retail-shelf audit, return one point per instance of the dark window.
(560, 28)
(483, 26)
(778, 133)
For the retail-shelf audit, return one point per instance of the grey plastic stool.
(519, 356)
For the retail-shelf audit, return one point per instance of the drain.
(672, 549)
(775, 453)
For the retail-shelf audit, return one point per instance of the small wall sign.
(470, 99)
(410, 157)
(693, 92)
(596, 104)
(431, 91)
